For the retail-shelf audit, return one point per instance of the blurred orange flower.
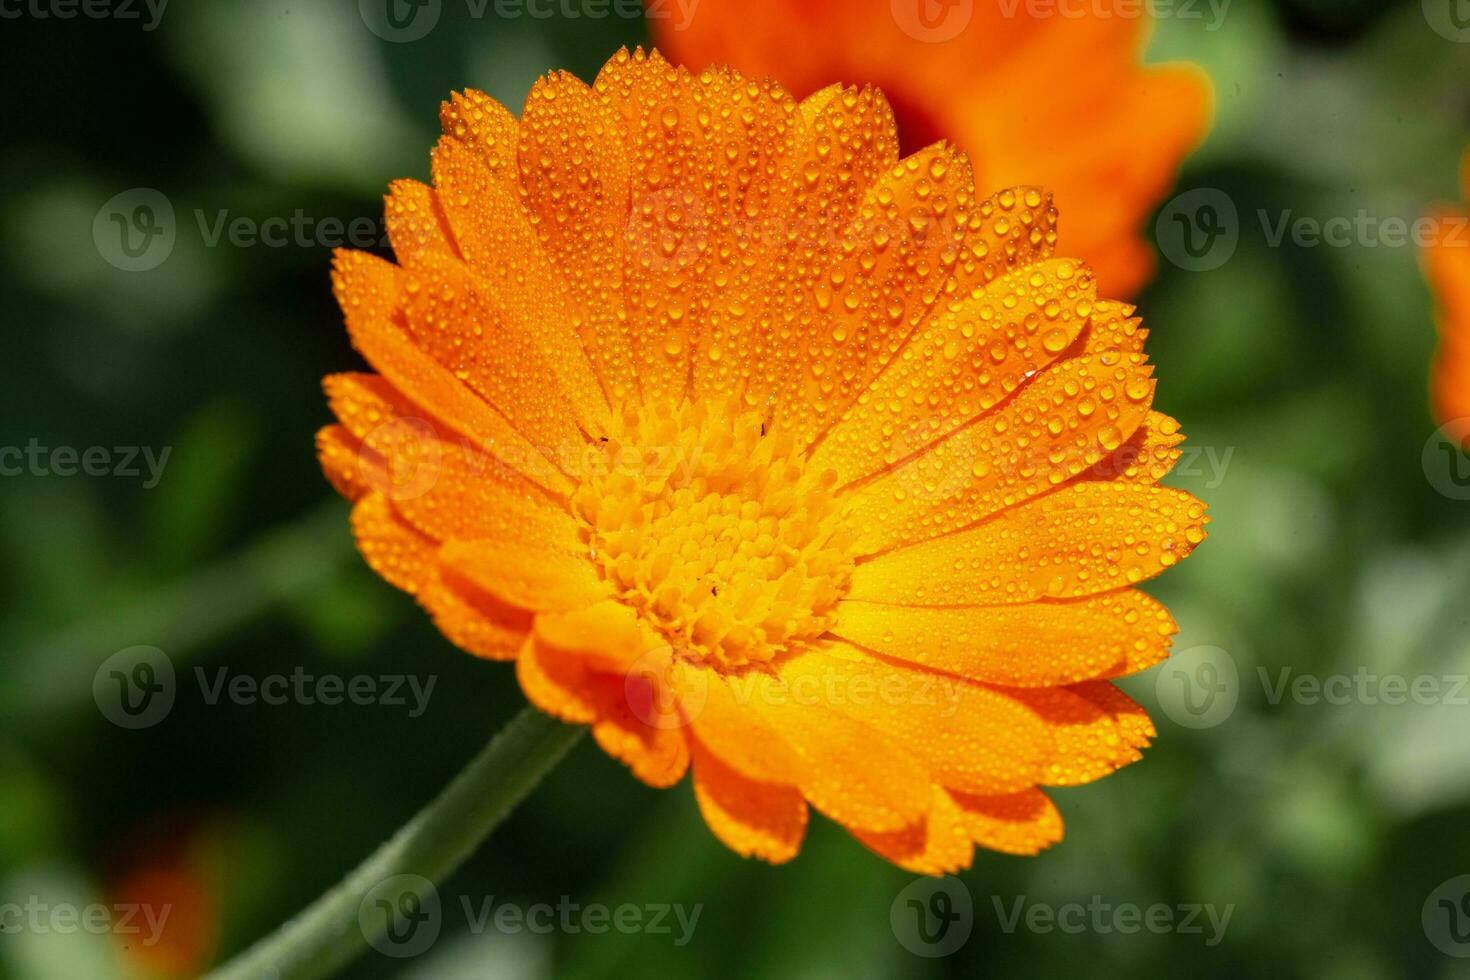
(1447, 264)
(1056, 98)
(168, 880)
(767, 454)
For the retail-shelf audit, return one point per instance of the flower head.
(766, 453)
(1447, 264)
(1057, 99)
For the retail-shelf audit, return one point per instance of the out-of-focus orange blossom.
(1447, 264)
(1045, 94)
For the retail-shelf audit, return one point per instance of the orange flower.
(1058, 100)
(1447, 264)
(169, 878)
(762, 450)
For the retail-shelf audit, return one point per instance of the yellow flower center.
(711, 526)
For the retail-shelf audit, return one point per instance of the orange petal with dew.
(1032, 644)
(850, 771)
(1062, 423)
(941, 844)
(1081, 540)
(520, 574)
(1019, 823)
(368, 290)
(963, 734)
(753, 819)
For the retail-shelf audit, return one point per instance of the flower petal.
(541, 579)
(574, 175)
(889, 267)
(367, 289)
(961, 363)
(1146, 458)
(565, 684)
(439, 482)
(338, 450)
(693, 258)
(608, 634)
(1133, 722)
(451, 315)
(729, 727)
(941, 844)
(851, 772)
(753, 819)
(1088, 743)
(486, 127)
(417, 226)
(515, 278)
(1082, 540)
(964, 735)
(389, 546)
(1033, 644)
(471, 619)
(846, 146)
(1019, 823)
(1065, 421)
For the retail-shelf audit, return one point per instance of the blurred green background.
(1325, 826)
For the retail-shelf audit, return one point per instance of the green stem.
(337, 926)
